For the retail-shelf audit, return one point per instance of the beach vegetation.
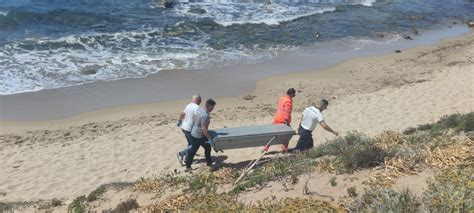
(6, 207)
(333, 182)
(126, 206)
(95, 195)
(78, 205)
(455, 122)
(352, 191)
(56, 202)
(386, 200)
(451, 191)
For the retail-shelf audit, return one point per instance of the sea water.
(57, 43)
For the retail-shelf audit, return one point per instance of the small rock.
(249, 97)
(398, 51)
(455, 22)
(407, 37)
(90, 70)
(197, 11)
(470, 23)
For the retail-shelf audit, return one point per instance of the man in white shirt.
(186, 123)
(200, 134)
(311, 117)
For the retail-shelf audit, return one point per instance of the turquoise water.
(57, 43)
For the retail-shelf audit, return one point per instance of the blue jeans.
(189, 139)
(198, 142)
(306, 139)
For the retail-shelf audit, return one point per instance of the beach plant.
(352, 191)
(95, 195)
(456, 122)
(333, 182)
(56, 202)
(451, 191)
(386, 200)
(78, 205)
(126, 206)
(6, 207)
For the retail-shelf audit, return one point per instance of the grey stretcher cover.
(250, 136)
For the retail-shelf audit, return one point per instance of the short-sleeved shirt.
(189, 112)
(311, 117)
(201, 117)
(284, 108)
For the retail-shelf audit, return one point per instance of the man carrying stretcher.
(283, 114)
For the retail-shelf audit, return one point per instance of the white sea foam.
(270, 12)
(35, 64)
(3, 13)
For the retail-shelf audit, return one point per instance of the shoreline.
(71, 157)
(55, 105)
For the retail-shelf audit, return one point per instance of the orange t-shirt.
(284, 107)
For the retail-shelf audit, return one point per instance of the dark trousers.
(196, 143)
(189, 139)
(306, 139)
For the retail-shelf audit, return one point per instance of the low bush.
(456, 122)
(451, 191)
(94, 195)
(385, 200)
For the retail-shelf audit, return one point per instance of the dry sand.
(71, 157)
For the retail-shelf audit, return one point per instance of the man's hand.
(211, 141)
(178, 124)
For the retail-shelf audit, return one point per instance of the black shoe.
(188, 169)
(180, 159)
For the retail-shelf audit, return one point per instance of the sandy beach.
(72, 156)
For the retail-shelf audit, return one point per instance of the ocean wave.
(17, 17)
(270, 12)
(35, 64)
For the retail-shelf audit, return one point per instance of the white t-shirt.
(189, 112)
(311, 117)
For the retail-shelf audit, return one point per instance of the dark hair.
(210, 102)
(291, 91)
(325, 102)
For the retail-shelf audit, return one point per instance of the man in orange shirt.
(283, 114)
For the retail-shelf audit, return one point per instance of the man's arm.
(205, 132)
(327, 128)
(180, 119)
(288, 107)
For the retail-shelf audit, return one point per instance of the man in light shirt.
(311, 117)
(200, 134)
(185, 121)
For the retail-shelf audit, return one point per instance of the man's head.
(291, 92)
(323, 104)
(197, 99)
(210, 103)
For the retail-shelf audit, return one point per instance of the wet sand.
(175, 85)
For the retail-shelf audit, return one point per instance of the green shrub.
(55, 202)
(386, 200)
(457, 122)
(126, 206)
(451, 191)
(333, 181)
(78, 205)
(352, 192)
(6, 207)
(94, 195)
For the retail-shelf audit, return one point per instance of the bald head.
(197, 99)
